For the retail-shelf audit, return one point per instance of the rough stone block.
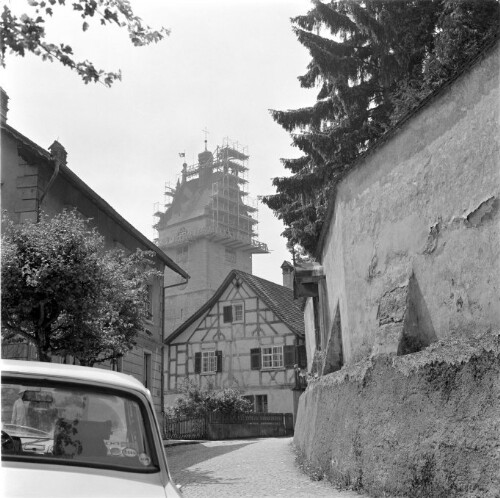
(387, 339)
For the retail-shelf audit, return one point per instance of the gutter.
(176, 285)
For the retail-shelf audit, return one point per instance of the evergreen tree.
(372, 61)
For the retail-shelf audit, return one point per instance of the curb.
(180, 442)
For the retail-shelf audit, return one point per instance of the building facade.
(248, 335)
(36, 180)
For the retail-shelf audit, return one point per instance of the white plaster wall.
(260, 328)
(404, 209)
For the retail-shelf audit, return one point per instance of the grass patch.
(305, 466)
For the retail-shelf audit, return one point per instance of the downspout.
(162, 396)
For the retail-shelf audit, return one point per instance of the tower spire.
(205, 131)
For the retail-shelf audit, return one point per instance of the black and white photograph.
(250, 248)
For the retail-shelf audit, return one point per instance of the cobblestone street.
(239, 468)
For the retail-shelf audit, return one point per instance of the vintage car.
(79, 431)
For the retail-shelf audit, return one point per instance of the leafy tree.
(197, 401)
(372, 61)
(26, 33)
(63, 293)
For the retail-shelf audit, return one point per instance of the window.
(258, 402)
(261, 403)
(76, 425)
(272, 357)
(146, 374)
(238, 312)
(278, 357)
(182, 253)
(233, 313)
(208, 362)
(230, 256)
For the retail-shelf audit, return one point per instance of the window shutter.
(219, 361)
(255, 359)
(289, 352)
(302, 356)
(197, 363)
(228, 314)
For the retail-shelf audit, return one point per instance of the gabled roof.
(279, 299)
(41, 154)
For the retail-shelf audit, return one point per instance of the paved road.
(243, 468)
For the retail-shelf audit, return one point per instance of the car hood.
(61, 482)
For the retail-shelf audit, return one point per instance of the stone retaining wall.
(421, 425)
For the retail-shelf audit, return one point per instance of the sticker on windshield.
(144, 459)
(115, 451)
(130, 452)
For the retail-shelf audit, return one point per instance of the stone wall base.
(422, 425)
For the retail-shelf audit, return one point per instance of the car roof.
(69, 373)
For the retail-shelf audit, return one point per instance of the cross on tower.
(205, 131)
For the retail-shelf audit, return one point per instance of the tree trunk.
(42, 345)
(43, 355)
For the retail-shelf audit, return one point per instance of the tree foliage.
(372, 62)
(26, 33)
(197, 401)
(63, 293)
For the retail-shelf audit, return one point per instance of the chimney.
(4, 107)
(288, 271)
(59, 155)
(58, 152)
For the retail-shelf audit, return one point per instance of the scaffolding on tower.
(233, 213)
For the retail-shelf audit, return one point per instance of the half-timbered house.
(249, 335)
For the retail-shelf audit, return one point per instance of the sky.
(224, 65)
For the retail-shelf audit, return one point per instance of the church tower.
(208, 228)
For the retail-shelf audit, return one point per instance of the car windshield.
(74, 425)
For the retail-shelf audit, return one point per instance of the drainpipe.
(59, 155)
(162, 395)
